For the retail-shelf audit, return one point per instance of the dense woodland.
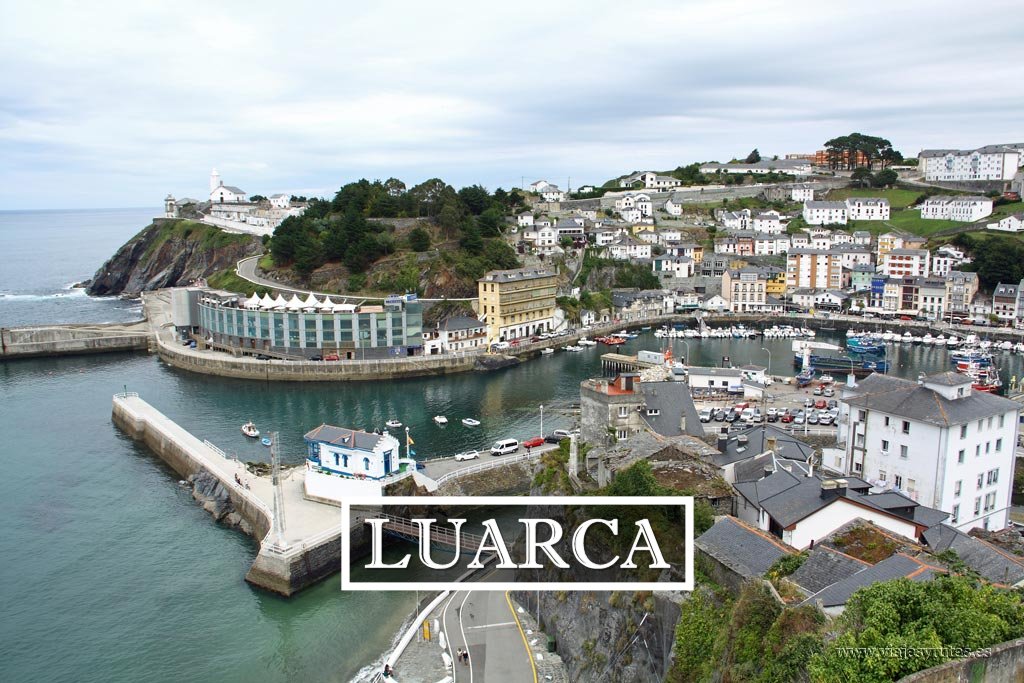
(468, 222)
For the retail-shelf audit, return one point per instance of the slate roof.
(788, 445)
(714, 372)
(823, 567)
(740, 547)
(906, 398)
(515, 275)
(461, 322)
(232, 188)
(350, 438)
(989, 561)
(948, 379)
(669, 399)
(896, 567)
(825, 205)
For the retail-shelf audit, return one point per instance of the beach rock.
(495, 362)
(214, 498)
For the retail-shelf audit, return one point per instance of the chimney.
(770, 443)
(828, 489)
(920, 378)
(810, 467)
(723, 440)
(841, 486)
(768, 470)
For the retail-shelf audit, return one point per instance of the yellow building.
(517, 303)
(776, 282)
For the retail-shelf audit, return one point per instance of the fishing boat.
(393, 424)
(586, 342)
(440, 420)
(611, 341)
(573, 348)
(805, 377)
(626, 335)
(547, 351)
(864, 344)
(266, 441)
(470, 422)
(249, 429)
(827, 379)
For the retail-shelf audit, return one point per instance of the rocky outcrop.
(169, 253)
(495, 362)
(216, 500)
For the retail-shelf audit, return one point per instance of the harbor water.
(113, 573)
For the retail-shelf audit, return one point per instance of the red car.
(821, 404)
(787, 417)
(331, 356)
(534, 442)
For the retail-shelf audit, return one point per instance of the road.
(485, 623)
(438, 467)
(246, 269)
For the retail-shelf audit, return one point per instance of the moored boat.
(440, 420)
(249, 429)
(470, 422)
(392, 424)
(266, 441)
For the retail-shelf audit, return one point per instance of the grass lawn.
(898, 199)
(1005, 210)
(229, 280)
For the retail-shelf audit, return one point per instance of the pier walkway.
(303, 549)
(67, 340)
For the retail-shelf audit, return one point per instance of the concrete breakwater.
(292, 555)
(68, 340)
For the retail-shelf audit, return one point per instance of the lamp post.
(542, 420)
(769, 359)
(686, 361)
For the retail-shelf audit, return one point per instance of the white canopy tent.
(266, 302)
(344, 308)
(280, 302)
(253, 301)
(326, 305)
(295, 304)
(311, 301)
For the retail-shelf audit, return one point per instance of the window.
(858, 467)
(956, 514)
(990, 423)
(977, 450)
(653, 412)
(903, 452)
(999, 445)
(990, 501)
(859, 441)
(1002, 421)
(885, 446)
(366, 464)
(981, 425)
(911, 485)
(981, 481)
(622, 434)
(881, 475)
(988, 446)
(963, 431)
(862, 415)
(623, 411)
(898, 481)
(906, 427)
(977, 506)
(993, 477)
(960, 457)
(957, 487)
(886, 420)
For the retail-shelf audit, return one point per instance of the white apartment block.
(673, 207)
(651, 181)
(771, 245)
(769, 222)
(992, 162)
(735, 220)
(525, 219)
(1012, 223)
(907, 263)
(825, 213)
(813, 269)
(802, 193)
(867, 209)
(956, 208)
(625, 248)
(745, 290)
(937, 440)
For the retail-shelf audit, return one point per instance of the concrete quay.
(307, 549)
(68, 340)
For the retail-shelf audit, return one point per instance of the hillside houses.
(956, 208)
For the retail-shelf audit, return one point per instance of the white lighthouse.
(215, 181)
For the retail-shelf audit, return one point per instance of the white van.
(504, 447)
(705, 415)
(561, 433)
(747, 415)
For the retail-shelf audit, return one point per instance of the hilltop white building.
(867, 209)
(956, 208)
(651, 181)
(825, 213)
(992, 162)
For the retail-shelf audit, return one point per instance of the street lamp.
(686, 361)
(769, 359)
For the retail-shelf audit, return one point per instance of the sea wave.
(65, 294)
(369, 673)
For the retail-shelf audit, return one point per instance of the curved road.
(485, 623)
(246, 269)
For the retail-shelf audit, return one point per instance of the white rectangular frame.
(377, 502)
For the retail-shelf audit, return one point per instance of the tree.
(862, 176)
(753, 157)
(490, 222)
(450, 217)
(419, 239)
(257, 198)
(885, 178)
(565, 242)
(843, 151)
(476, 198)
(471, 241)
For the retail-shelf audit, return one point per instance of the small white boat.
(573, 348)
(586, 342)
(546, 351)
(440, 420)
(249, 429)
(826, 379)
(392, 424)
(470, 422)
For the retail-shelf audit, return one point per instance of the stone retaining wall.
(1004, 663)
(67, 341)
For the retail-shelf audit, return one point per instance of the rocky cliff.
(168, 253)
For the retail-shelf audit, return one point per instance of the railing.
(215, 449)
(127, 394)
(484, 466)
(406, 527)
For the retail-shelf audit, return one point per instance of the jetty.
(299, 545)
(67, 340)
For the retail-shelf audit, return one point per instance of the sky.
(120, 103)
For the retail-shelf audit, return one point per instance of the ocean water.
(111, 571)
(46, 252)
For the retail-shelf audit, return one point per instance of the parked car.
(808, 402)
(551, 438)
(563, 433)
(467, 455)
(500, 346)
(732, 416)
(821, 404)
(825, 419)
(812, 418)
(316, 357)
(262, 356)
(534, 442)
(332, 356)
(817, 391)
(799, 419)
(706, 415)
(719, 415)
(787, 417)
(829, 392)
(832, 404)
(758, 416)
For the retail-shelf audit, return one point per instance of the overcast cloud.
(118, 103)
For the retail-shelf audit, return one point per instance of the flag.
(408, 440)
